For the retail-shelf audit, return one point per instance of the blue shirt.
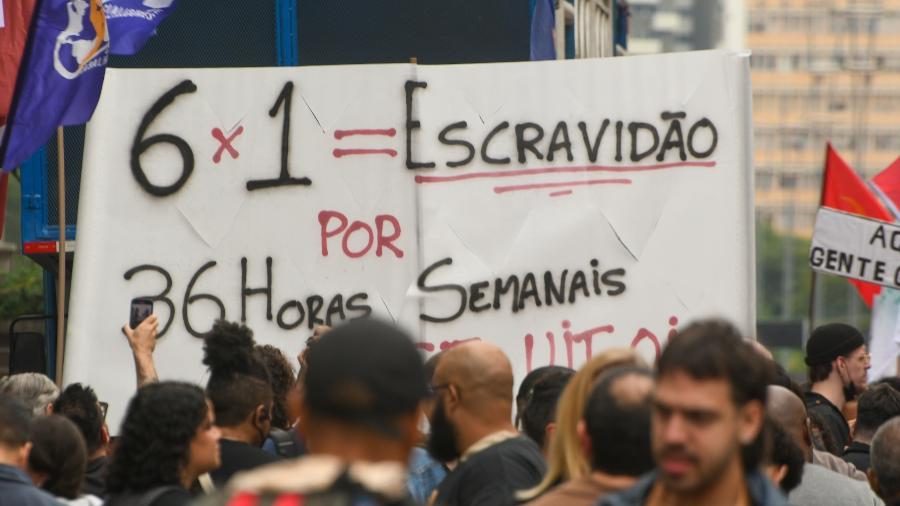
(425, 474)
(17, 490)
(762, 492)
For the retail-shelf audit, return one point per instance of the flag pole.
(812, 300)
(815, 275)
(61, 279)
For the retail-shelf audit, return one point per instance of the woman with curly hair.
(284, 440)
(286, 405)
(167, 440)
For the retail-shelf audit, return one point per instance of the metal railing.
(592, 21)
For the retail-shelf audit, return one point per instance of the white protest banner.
(856, 247)
(555, 208)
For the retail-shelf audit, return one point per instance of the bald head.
(789, 412)
(482, 373)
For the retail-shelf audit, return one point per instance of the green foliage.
(21, 289)
(783, 280)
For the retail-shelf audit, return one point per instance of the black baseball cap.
(365, 370)
(830, 341)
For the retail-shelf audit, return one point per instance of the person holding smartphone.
(141, 332)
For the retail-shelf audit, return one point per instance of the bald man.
(819, 486)
(472, 423)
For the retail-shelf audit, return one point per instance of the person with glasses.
(838, 365)
(79, 404)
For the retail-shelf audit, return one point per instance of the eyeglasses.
(103, 409)
(432, 390)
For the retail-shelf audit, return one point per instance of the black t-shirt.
(835, 424)
(95, 477)
(173, 497)
(492, 476)
(165, 495)
(236, 457)
(858, 455)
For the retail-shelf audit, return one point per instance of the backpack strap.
(206, 483)
(285, 446)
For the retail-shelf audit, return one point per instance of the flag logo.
(84, 43)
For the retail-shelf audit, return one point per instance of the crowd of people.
(365, 421)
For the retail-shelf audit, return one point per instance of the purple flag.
(543, 21)
(62, 71)
(132, 22)
(61, 77)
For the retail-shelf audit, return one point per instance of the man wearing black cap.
(837, 360)
(363, 387)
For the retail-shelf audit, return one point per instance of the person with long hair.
(565, 460)
(284, 439)
(167, 440)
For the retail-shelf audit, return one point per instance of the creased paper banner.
(554, 208)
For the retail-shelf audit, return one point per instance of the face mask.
(850, 391)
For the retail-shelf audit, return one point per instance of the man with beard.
(837, 360)
(706, 424)
(471, 423)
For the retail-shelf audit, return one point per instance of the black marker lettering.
(561, 131)
(457, 142)
(335, 308)
(617, 286)
(363, 309)
(461, 307)
(523, 144)
(412, 125)
(301, 314)
(247, 292)
(141, 145)
(162, 296)
(284, 176)
(712, 145)
(674, 136)
(579, 282)
(633, 129)
(592, 149)
(190, 299)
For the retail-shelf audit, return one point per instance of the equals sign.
(340, 134)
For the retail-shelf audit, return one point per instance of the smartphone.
(140, 310)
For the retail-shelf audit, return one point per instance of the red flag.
(844, 190)
(16, 19)
(888, 181)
